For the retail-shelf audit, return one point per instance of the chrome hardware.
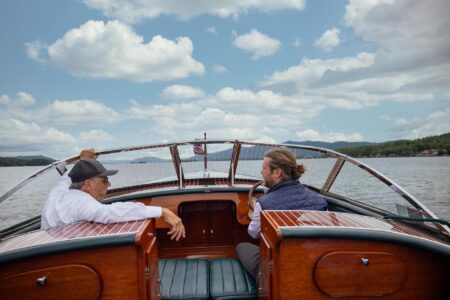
(260, 281)
(212, 231)
(204, 231)
(41, 280)
(146, 273)
(365, 261)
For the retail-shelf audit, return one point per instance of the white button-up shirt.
(64, 206)
(254, 228)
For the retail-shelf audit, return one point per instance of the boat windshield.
(195, 164)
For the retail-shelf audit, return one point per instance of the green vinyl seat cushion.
(229, 280)
(184, 278)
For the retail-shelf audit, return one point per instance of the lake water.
(426, 178)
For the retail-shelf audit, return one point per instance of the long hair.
(285, 160)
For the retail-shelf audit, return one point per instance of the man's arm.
(254, 228)
(91, 210)
(126, 211)
(176, 226)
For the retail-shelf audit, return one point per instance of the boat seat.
(184, 278)
(229, 280)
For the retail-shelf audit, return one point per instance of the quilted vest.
(290, 195)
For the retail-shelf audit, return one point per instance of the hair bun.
(300, 169)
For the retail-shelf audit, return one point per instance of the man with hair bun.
(281, 174)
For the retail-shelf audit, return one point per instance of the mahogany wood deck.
(322, 265)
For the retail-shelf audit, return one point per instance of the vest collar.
(282, 184)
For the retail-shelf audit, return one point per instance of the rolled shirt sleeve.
(117, 212)
(254, 228)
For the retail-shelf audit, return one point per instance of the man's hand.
(88, 153)
(176, 226)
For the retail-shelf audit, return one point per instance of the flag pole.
(205, 156)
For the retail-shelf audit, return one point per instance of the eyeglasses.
(105, 180)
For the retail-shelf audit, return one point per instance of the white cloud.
(413, 34)
(401, 121)
(22, 99)
(135, 10)
(242, 114)
(328, 40)
(17, 135)
(259, 44)
(77, 112)
(312, 135)
(411, 63)
(311, 71)
(211, 29)
(36, 50)
(25, 130)
(297, 43)
(181, 92)
(113, 50)
(435, 123)
(336, 82)
(219, 69)
(95, 136)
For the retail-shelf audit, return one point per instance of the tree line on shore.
(428, 146)
(18, 161)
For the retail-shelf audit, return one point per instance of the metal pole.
(205, 157)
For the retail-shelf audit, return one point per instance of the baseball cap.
(87, 169)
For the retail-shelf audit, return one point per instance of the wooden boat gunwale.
(70, 243)
(359, 230)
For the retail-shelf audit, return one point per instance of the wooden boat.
(372, 242)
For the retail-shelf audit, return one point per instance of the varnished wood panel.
(153, 283)
(295, 259)
(73, 232)
(333, 271)
(117, 267)
(210, 252)
(264, 279)
(172, 202)
(221, 222)
(427, 274)
(299, 218)
(66, 281)
(195, 217)
(120, 269)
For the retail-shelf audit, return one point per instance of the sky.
(115, 73)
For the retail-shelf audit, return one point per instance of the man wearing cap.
(78, 195)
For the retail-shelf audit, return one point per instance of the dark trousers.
(248, 254)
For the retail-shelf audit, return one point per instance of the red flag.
(198, 149)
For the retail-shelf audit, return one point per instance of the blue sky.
(97, 73)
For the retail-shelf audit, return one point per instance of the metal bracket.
(147, 273)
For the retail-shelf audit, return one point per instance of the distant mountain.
(149, 159)
(257, 152)
(25, 161)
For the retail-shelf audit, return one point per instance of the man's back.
(289, 195)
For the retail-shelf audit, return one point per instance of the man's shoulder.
(78, 195)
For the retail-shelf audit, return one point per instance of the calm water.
(426, 178)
